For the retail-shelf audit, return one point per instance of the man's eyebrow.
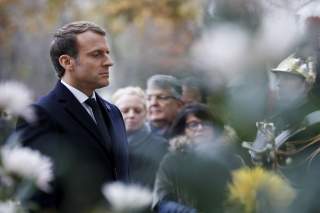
(99, 50)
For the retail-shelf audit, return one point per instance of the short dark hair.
(201, 111)
(65, 41)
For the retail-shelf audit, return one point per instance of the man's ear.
(67, 62)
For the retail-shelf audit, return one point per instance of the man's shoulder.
(47, 100)
(44, 110)
(44, 101)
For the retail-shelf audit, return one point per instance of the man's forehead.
(92, 40)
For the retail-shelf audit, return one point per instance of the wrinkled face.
(198, 129)
(161, 105)
(133, 111)
(91, 69)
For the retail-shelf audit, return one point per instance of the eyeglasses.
(160, 97)
(195, 125)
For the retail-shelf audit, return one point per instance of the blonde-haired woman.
(145, 148)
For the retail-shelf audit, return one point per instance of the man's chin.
(103, 84)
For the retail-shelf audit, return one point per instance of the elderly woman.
(145, 148)
(192, 177)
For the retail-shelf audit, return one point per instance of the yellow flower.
(249, 184)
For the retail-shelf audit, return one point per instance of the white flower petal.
(278, 34)
(223, 50)
(29, 164)
(9, 207)
(127, 197)
(15, 98)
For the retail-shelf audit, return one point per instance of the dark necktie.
(99, 120)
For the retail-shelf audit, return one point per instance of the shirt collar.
(80, 96)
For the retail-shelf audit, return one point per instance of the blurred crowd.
(193, 160)
(190, 158)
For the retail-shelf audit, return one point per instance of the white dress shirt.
(81, 97)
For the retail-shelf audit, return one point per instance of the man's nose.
(107, 61)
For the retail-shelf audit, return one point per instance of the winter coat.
(145, 153)
(194, 176)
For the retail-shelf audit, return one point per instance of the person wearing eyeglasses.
(163, 102)
(197, 122)
(193, 176)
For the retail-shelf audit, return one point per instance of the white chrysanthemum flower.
(127, 198)
(277, 35)
(224, 48)
(15, 98)
(9, 207)
(28, 164)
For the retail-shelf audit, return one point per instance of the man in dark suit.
(83, 134)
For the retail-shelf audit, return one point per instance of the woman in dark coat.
(193, 176)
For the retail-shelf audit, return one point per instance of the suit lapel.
(76, 110)
(106, 115)
(112, 121)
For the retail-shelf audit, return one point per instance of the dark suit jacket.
(83, 162)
